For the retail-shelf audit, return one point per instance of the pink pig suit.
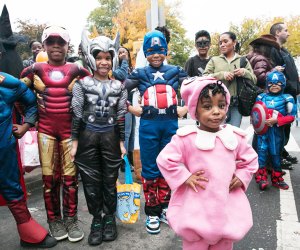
(213, 218)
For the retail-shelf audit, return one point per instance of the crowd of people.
(91, 98)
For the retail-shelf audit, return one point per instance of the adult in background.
(226, 67)
(195, 65)
(260, 57)
(284, 58)
(35, 47)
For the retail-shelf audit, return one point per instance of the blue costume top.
(282, 107)
(158, 88)
(283, 103)
(12, 90)
(150, 76)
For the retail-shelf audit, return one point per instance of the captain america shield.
(259, 115)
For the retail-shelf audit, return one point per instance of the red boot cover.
(31, 231)
(19, 210)
(261, 175)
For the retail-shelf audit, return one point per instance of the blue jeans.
(234, 117)
(129, 132)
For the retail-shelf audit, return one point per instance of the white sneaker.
(163, 216)
(153, 224)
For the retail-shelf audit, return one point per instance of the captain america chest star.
(275, 102)
(158, 75)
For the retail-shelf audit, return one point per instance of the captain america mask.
(276, 78)
(155, 43)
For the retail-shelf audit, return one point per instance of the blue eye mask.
(155, 43)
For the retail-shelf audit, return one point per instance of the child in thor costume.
(158, 84)
(98, 131)
(277, 109)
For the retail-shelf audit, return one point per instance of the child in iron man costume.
(280, 109)
(53, 81)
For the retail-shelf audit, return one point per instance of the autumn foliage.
(129, 18)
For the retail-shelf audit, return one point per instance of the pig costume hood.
(191, 89)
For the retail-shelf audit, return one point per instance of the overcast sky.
(212, 15)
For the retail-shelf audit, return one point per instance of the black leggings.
(99, 158)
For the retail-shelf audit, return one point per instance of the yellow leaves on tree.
(131, 21)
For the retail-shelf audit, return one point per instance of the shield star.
(158, 75)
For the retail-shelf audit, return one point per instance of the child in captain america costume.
(280, 110)
(158, 84)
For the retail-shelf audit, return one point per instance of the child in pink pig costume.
(208, 168)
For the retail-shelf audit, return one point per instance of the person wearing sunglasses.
(195, 65)
(53, 82)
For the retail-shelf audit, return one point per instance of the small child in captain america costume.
(281, 110)
(158, 84)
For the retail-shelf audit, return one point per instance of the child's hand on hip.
(194, 180)
(235, 183)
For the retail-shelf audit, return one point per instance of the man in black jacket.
(284, 58)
